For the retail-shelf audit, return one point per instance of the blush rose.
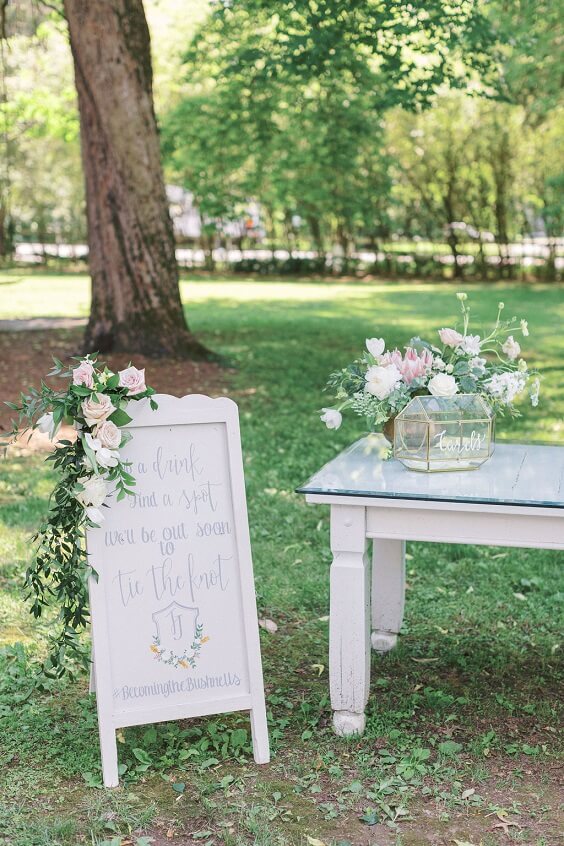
(132, 379)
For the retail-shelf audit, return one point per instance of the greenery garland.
(90, 471)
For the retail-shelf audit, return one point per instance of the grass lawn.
(461, 743)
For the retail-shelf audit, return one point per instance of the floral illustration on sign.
(171, 623)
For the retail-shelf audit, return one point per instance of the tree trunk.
(135, 296)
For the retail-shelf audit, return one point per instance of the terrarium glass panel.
(434, 434)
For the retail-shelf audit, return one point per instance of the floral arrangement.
(90, 470)
(382, 382)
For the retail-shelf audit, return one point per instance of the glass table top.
(516, 474)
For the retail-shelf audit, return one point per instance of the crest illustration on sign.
(179, 636)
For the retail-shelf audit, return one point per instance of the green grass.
(468, 700)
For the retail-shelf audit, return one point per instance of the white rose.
(93, 493)
(438, 363)
(46, 425)
(375, 346)
(381, 381)
(108, 434)
(133, 380)
(443, 385)
(96, 411)
(470, 344)
(511, 348)
(331, 417)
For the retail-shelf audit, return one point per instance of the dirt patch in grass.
(26, 357)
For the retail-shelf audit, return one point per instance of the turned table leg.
(388, 592)
(349, 621)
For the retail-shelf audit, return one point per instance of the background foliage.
(351, 124)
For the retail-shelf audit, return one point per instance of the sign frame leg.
(259, 733)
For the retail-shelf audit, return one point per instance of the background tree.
(135, 295)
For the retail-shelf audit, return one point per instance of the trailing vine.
(91, 471)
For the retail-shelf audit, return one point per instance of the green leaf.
(142, 756)
(450, 747)
(179, 786)
(120, 417)
(370, 817)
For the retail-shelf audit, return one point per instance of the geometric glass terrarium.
(434, 434)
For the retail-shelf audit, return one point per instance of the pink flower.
(133, 380)
(83, 374)
(108, 434)
(412, 365)
(96, 411)
(450, 337)
(415, 365)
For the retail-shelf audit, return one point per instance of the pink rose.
(96, 411)
(83, 374)
(450, 337)
(133, 380)
(108, 434)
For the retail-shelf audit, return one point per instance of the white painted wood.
(349, 620)
(388, 592)
(92, 681)
(516, 499)
(492, 528)
(175, 557)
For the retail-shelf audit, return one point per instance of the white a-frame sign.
(174, 620)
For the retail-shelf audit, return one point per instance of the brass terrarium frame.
(432, 463)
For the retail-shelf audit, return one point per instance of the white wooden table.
(514, 499)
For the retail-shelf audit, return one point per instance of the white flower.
(92, 442)
(438, 363)
(443, 385)
(46, 425)
(381, 381)
(511, 348)
(96, 411)
(470, 344)
(506, 386)
(375, 346)
(107, 457)
(449, 368)
(535, 389)
(94, 491)
(462, 296)
(522, 366)
(104, 457)
(331, 417)
(524, 328)
(478, 363)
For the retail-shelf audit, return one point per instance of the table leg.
(388, 592)
(349, 621)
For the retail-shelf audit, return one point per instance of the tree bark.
(135, 295)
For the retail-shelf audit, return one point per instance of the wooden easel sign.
(174, 620)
